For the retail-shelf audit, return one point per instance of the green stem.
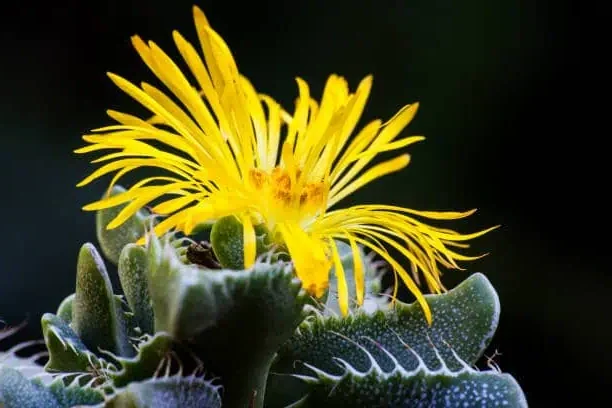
(246, 389)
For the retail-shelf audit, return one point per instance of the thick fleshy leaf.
(464, 321)
(419, 388)
(67, 353)
(113, 241)
(64, 310)
(168, 392)
(17, 391)
(227, 240)
(74, 395)
(97, 318)
(233, 320)
(145, 364)
(132, 271)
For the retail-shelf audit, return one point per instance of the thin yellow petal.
(389, 131)
(308, 256)
(258, 120)
(360, 99)
(118, 176)
(250, 242)
(300, 117)
(398, 144)
(404, 275)
(310, 146)
(150, 103)
(363, 138)
(357, 270)
(175, 204)
(431, 273)
(213, 151)
(116, 165)
(380, 170)
(215, 206)
(202, 24)
(89, 149)
(166, 225)
(289, 162)
(436, 215)
(136, 204)
(142, 131)
(274, 125)
(117, 199)
(340, 278)
(200, 72)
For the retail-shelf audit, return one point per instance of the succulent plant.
(244, 286)
(183, 334)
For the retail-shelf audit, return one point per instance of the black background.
(503, 106)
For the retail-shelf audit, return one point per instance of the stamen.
(281, 190)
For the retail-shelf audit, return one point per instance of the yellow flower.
(228, 150)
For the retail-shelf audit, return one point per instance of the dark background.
(501, 89)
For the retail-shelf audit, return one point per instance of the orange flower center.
(285, 197)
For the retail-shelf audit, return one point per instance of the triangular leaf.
(144, 365)
(96, 319)
(169, 392)
(132, 271)
(16, 391)
(420, 388)
(464, 321)
(233, 320)
(67, 353)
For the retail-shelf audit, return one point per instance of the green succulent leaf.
(73, 395)
(97, 318)
(17, 391)
(144, 365)
(168, 392)
(132, 271)
(64, 310)
(464, 321)
(67, 353)
(113, 241)
(419, 388)
(227, 240)
(234, 321)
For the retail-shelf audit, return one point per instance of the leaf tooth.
(306, 378)
(465, 368)
(374, 366)
(89, 384)
(443, 367)
(396, 365)
(350, 370)
(421, 366)
(34, 357)
(299, 403)
(322, 374)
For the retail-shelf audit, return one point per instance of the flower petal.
(250, 242)
(309, 258)
(340, 278)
